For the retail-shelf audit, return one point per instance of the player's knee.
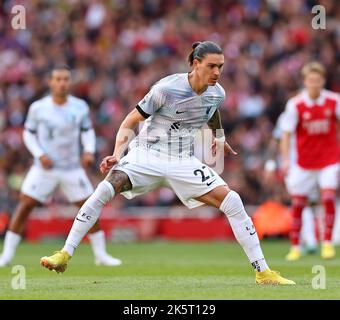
(299, 201)
(104, 191)
(119, 180)
(232, 205)
(27, 203)
(328, 195)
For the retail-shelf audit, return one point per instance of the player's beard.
(62, 94)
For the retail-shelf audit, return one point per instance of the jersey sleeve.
(31, 123)
(337, 110)
(290, 118)
(217, 104)
(152, 101)
(220, 103)
(86, 123)
(277, 131)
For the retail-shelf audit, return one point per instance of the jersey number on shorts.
(204, 175)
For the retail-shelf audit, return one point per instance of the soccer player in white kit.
(162, 155)
(312, 116)
(56, 128)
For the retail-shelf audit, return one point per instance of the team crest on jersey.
(328, 113)
(72, 118)
(306, 115)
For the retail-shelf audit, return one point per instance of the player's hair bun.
(196, 44)
(204, 48)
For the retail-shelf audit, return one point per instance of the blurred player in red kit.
(312, 116)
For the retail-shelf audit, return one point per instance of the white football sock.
(244, 230)
(10, 244)
(88, 215)
(97, 240)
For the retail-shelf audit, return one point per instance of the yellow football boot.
(327, 251)
(270, 277)
(57, 262)
(293, 254)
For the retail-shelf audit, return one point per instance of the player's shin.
(244, 230)
(298, 204)
(328, 202)
(97, 240)
(88, 215)
(10, 244)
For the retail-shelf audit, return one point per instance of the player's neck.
(314, 94)
(59, 100)
(196, 83)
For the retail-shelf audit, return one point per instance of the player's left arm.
(215, 124)
(337, 113)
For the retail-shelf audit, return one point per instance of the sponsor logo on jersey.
(317, 126)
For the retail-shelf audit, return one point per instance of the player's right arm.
(123, 138)
(215, 124)
(30, 137)
(273, 150)
(285, 148)
(288, 126)
(152, 101)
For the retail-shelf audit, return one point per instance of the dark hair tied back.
(201, 49)
(196, 44)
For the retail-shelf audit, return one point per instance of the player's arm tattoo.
(119, 180)
(215, 123)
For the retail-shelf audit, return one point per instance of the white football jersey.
(174, 114)
(58, 129)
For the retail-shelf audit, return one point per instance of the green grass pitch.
(163, 270)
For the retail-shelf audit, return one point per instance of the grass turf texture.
(162, 270)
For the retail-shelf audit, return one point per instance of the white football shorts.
(303, 182)
(39, 184)
(189, 178)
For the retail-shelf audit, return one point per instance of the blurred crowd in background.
(118, 48)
